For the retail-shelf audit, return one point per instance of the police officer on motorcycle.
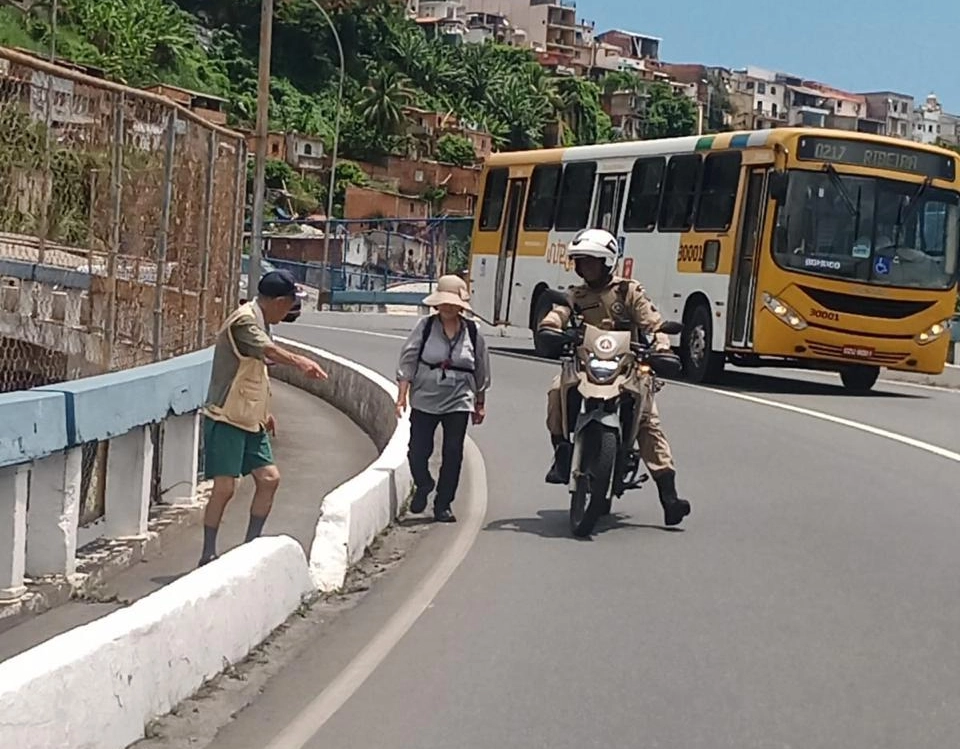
(607, 301)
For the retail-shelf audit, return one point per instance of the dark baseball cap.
(277, 284)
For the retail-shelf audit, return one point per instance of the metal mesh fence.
(120, 220)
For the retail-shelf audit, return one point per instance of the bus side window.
(680, 192)
(718, 191)
(494, 194)
(576, 196)
(643, 200)
(542, 201)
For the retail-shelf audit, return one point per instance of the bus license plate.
(858, 352)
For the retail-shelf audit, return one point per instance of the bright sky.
(855, 45)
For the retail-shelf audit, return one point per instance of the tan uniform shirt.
(599, 307)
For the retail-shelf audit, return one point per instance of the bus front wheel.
(859, 378)
(700, 362)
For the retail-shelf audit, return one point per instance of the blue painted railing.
(39, 422)
(407, 298)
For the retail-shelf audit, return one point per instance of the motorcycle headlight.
(603, 369)
(933, 332)
(784, 312)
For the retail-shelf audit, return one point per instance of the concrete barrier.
(356, 512)
(99, 684)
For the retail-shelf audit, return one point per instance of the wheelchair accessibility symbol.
(882, 266)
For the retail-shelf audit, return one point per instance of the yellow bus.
(815, 248)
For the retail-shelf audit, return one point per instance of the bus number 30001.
(690, 253)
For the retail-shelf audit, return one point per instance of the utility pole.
(263, 131)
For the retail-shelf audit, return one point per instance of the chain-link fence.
(370, 254)
(120, 221)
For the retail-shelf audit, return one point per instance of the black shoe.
(419, 502)
(206, 560)
(444, 515)
(559, 472)
(674, 508)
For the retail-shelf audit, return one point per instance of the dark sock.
(209, 542)
(255, 528)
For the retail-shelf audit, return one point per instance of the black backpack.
(428, 328)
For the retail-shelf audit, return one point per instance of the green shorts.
(230, 451)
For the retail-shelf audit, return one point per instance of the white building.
(932, 125)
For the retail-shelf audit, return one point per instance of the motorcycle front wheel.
(590, 498)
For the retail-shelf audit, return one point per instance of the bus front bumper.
(834, 349)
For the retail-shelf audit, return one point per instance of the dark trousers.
(423, 427)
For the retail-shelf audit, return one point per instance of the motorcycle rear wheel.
(590, 500)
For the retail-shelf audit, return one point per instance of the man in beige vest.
(238, 419)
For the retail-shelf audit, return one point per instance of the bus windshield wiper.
(837, 182)
(913, 207)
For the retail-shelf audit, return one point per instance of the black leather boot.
(559, 472)
(674, 508)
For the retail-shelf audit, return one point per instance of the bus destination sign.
(861, 153)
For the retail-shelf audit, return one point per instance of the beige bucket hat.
(450, 290)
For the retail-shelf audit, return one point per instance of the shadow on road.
(741, 381)
(555, 524)
(738, 381)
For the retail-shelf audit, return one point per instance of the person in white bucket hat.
(443, 376)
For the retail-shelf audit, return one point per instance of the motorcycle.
(605, 380)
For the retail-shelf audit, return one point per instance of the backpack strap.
(471, 331)
(428, 328)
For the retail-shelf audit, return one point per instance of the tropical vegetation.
(391, 64)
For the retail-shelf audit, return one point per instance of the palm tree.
(383, 100)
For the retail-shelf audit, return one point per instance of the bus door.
(506, 261)
(743, 281)
(611, 189)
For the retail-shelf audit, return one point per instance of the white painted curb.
(357, 511)
(96, 686)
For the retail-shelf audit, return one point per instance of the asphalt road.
(811, 600)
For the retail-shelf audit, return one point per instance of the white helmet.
(595, 243)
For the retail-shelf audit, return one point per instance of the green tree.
(456, 149)
(668, 114)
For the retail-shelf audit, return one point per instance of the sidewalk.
(317, 448)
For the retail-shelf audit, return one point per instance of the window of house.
(542, 201)
(643, 198)
(761, 88)
(307, 149)
(718, 191)
(576, 196)
(494, 192)
(680, 192)
(773, 91)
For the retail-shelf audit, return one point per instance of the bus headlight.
(933, 332)
(785, 312)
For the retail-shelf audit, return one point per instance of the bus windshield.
(868, 230)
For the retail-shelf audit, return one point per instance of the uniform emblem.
(606, 344)
(617, 308)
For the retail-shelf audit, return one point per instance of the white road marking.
(876, 431)
(849, 423)
(885, 381)
(347, 330)
(311, 719)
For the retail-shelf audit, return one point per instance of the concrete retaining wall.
(99, 684)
